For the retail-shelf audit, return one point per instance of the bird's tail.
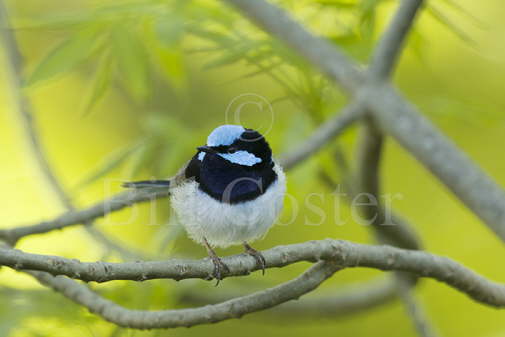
(147, 184)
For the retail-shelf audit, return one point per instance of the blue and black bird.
(231, 192)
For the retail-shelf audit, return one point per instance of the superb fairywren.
(230, 192)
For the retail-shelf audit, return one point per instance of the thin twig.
(414, 308)
(100, 209)
(390, 45)
(323, 134)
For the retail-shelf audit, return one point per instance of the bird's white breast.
(224, 224)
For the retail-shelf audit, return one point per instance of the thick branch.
(234, 308)
(345, 254)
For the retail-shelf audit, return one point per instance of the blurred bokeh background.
(127, 90)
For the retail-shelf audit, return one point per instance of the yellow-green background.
(457, 84)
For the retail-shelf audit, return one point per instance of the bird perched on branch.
(229, 193)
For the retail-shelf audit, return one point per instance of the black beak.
(206, 149)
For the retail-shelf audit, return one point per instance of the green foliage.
(102, 81)
(445, 21)
(132, 61)
(109, 164)
(65, 56)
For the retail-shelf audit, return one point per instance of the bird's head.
(238, 146)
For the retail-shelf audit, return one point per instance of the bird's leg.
(219, 266)
(260, 260)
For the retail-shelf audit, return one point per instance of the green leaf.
(103, 78)
(143, 158)
(170, 30)
(173, 66)
(132, 61)
(108, 165)
(459, 8)
(418, 45)
(286, 54)
(265, 70)
(168, 55)
(444, 20)
(228, 58)
(367, 17)
(54, 21)
(64, 57)
(337, 4)
(216, 37)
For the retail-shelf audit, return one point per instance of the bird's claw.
(260, 259)
(220, 269)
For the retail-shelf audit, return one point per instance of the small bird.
(231, 192)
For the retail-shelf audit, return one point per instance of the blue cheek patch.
(241, 157)
(225, 135)
(201, 155)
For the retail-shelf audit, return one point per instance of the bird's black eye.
(232, 149)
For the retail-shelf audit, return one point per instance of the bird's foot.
(220, 268)
(260, 259)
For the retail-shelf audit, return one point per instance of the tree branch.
(391, 229)
(344, 301)
(99, 209)
(322, 135)
(234, 308)
(369, 155)
(343, 253)
(388, 49)
(414, 309)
